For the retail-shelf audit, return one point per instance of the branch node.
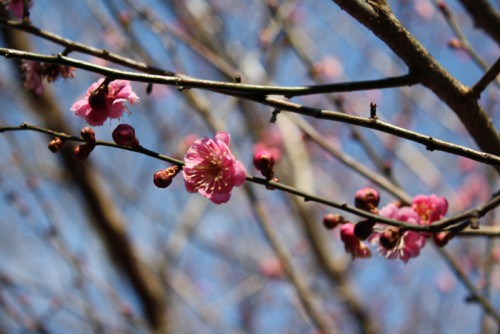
(430, 147)
(274, 116)
(373, 110)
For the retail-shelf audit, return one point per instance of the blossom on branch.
(105, 100)
(394, 244)
(429, 208)
(211, 169)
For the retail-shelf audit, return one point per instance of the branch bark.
(378, 17)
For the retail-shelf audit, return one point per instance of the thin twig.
(437, 226)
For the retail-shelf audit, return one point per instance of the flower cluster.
(211, 169)
(394, 242)
(105, 99)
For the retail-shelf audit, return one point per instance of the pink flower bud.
(263, 160)
(124, 135)
(88, 135)
(163, 178)
(367, 199)
(55, 145)
(332, 220)
(82, 152)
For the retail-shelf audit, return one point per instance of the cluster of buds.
(124, 135)
(163, 178)
(82, 152)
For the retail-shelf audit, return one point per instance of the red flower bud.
(163, 178)
(82, 152)
(263, 160)
(88, 135)
(332, 220)
(367, 199)
(124, 135)
(55, 145)
(442, 238)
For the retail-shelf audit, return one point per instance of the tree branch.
(380, 20)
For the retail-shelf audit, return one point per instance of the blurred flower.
(211, 169)
(329, 68)
(391, 243)
(352, 244)
(104, 100)
(32, 73)
(17, 7)
(272, 268)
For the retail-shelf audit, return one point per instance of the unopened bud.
(332, 220)
(263, 160)
(55, 145)
(442, 238)
(367, 199)
(164, 177)
(455, 43)
(82, 152)
(124, 135)
(88, 135)
(364, 229)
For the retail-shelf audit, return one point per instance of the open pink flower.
(104, 100)
(429, 208)
(211, 169)
(408, 244)
(17, 7)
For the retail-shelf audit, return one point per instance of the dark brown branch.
(379, 19)
(485, 17)
(373, 123)
(488, 77)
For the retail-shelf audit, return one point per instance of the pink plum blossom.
(211, 169)
(104, 100)
(429, 208)
(17, 7)
(408, 244)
